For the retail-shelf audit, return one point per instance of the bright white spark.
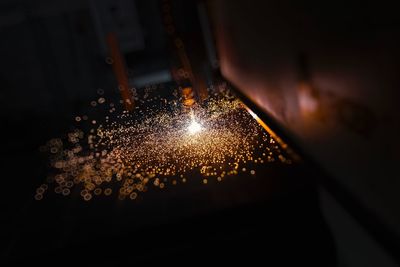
(194, 127)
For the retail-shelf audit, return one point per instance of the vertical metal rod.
(119, 70)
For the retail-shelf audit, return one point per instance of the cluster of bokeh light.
(160, 143)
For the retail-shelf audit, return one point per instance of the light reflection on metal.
(273, 134)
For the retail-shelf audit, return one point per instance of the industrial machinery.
(212, 132)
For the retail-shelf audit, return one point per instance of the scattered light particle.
(107, 191)
(66, 191)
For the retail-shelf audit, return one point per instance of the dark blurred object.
(327, 73)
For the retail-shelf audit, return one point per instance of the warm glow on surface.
(272, 133)
(194, 127)
(161, 143)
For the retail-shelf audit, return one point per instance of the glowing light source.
(194, 127)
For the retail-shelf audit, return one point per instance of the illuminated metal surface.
(273, 134)
(161, 143)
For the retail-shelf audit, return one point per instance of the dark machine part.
(309, 71)
(326, 75)
(188, 55)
